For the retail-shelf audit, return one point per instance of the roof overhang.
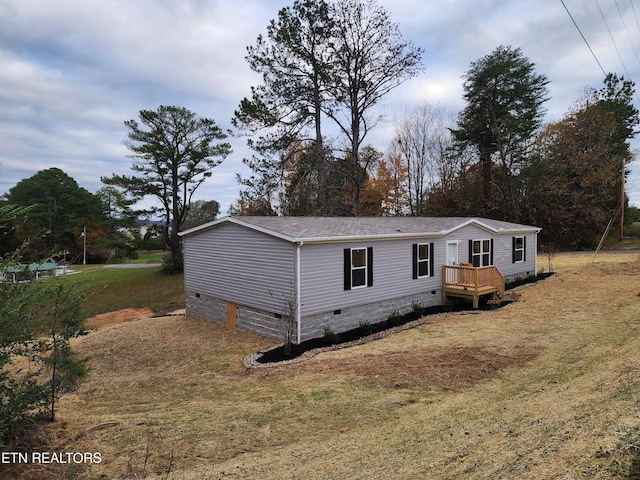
(523, 229)
(236, 221)
(498, 231)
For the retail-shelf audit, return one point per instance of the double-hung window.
(519, 249)
(358, 267)
(480, 252)
(422, 260)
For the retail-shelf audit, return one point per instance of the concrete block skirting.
(248, 319)
(267, 324)
(348, 318)
(205, 307)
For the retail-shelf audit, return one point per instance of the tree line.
(494, 158)
(325, 67)
(58, 218)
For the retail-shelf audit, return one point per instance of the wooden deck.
(467, 281)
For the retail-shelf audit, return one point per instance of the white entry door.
(452, 253)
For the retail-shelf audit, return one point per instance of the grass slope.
(107, 289)
(548, 387)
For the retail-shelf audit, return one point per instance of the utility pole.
(622, 203)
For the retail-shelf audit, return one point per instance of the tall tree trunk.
(485, 160)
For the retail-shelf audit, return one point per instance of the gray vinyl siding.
(240, 265)
(322, 268)
(322, 275)
(503, 253)
(502, 249)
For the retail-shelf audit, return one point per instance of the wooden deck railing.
(473, 279)
(498, 281)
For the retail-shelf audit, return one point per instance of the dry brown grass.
(548, 387)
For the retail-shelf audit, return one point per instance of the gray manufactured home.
(251, 273)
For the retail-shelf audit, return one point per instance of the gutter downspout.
(297, 287)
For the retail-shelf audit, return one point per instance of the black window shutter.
(347, 269)
(471, 252)
(524, 249)
(415, 261)
(369, 266)
(513, 250)
(431, 260)
(491, 247)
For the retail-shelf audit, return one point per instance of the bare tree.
(422, 138)
(370, 60)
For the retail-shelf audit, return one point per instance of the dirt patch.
(445, 368)
(119, 316)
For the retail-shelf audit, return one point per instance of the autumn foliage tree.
(390, 179)
(573, 181)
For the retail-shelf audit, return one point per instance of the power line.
(615, 44)
(627, 30)
(583, 37)
(634, 14)
(613, 40)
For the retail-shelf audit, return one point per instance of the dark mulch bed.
(278, 354)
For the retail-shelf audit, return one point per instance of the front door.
(452, 253)
(232, 316)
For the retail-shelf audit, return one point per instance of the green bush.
(173, 263)
(418, 308)
(329, 337)
(633, 230)
(365, 329)
(394, 319)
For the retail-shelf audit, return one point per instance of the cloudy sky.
(72, 71)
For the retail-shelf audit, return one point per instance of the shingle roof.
(336, 228)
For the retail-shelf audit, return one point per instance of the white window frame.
(424, 260)
(520, 249)
(482, 252)
(364, 268)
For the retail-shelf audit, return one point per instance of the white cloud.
(73, 72)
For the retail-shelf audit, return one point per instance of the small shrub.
(633, 230)
(365, 329)
(172, 263)
(418, 309)
(330, 338)
(394, 319)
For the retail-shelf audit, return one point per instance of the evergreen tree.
(287, 108)
(174, 151)
(504, 111)
(59, 210)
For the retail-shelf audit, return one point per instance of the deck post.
(444, 282)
